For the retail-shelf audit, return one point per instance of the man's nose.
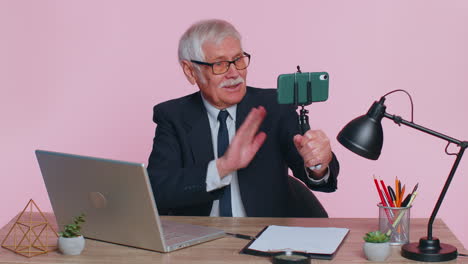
(232, 71)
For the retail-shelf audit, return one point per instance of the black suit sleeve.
(176, 180)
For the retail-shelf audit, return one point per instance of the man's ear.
(189, 72)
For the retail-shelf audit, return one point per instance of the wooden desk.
(225, 250)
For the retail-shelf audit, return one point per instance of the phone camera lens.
(323, 77)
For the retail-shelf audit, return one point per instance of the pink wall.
(82, 77)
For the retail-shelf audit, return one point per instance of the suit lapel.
(244, 179)
(243, 109)
(198, 130)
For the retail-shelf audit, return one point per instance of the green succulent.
(73, 230)
(376, 237)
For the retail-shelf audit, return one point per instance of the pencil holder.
(395, 222)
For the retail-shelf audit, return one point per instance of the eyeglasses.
(221, 67)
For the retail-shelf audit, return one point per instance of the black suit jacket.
(183, 148)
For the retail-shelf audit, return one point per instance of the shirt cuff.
(321, 181)
(213, 180)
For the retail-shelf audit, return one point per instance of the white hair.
(191, 42)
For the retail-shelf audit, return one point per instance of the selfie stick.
(303, 117)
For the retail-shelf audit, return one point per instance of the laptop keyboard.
(174, 232)
(175, 235)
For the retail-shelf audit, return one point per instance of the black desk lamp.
(364, 136)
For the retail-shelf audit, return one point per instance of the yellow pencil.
(397, 221)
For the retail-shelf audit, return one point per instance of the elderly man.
(226, 149)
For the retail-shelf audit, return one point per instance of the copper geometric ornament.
(31, 233)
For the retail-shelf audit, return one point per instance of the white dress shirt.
(213, 180)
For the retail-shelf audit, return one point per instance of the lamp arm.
(399, 120)
(462, 144)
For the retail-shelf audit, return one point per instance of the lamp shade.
(364, 134)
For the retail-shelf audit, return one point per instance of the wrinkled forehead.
(227, 48)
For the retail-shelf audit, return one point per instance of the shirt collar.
(213, 112)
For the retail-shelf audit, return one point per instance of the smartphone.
(303, 88)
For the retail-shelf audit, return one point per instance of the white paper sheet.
(317, 240)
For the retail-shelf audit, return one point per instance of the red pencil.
(380, 192)
(383, 201)
(389, 198)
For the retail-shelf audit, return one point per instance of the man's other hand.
(314, 147)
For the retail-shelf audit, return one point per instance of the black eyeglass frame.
(245, 54)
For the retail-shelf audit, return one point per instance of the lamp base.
(430, 250)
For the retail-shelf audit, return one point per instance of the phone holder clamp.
(303, 117)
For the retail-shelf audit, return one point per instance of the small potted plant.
(71, 241)
(376, 246)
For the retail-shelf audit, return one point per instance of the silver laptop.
(118, 201)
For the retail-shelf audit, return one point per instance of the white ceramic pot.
(377, 251)
(71, 245)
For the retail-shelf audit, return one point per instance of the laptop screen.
(116, 197)
(118, 201)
